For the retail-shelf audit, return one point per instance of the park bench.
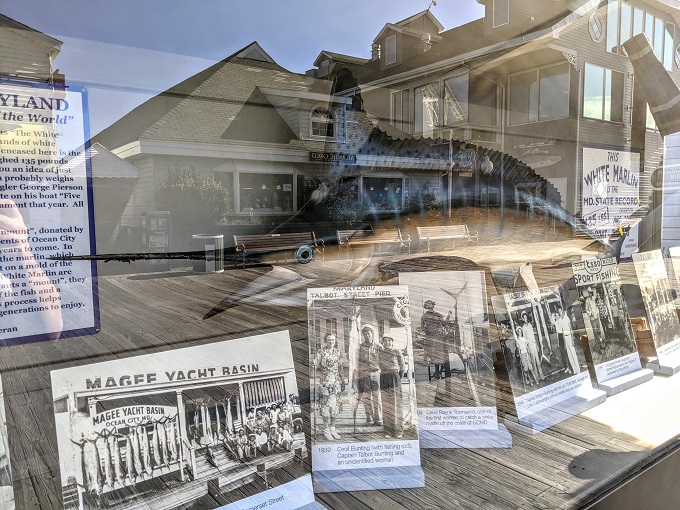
(445, 233)
(367, 236)
(271, 243)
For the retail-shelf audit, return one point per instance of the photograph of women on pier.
(360, 353)
(451, 338)
(540, 338)
(206, 426)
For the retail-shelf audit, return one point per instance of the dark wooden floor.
(567, 466)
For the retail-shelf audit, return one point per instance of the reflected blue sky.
(127, 51)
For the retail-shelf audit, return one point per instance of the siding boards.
(24, 58)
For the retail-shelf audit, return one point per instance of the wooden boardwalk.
(567, 466)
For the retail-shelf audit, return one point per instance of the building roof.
(471, 40)
(31, 33)
(338, 57)
(230, 103)
(105, 164)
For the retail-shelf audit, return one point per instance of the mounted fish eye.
(304, 255)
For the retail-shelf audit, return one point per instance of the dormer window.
(501, 12)
(390, 50)
(322, 123)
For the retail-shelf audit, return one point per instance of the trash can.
(213, 247)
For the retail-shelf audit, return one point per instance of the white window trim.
(334, 122)
(623, 96)
(493, 14)
(387, 39)
(537, 70)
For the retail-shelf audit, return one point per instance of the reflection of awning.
(268, 167)
(264, 393)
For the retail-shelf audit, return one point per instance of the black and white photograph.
(6, 487)
(451, 348)
(657, 296)
(207, 426)
(363, 402)
(604, 310)
(361, 365)
(539, 336)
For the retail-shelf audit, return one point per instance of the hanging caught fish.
(129, 458)
(162, 443)
(108, 472)
(98, 468)
(89, 468)
(156, 453)
(170, 433)
(117, 464)
(218, 431)
(144, 448)
(136, 457)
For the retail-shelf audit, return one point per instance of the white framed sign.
(610, 188)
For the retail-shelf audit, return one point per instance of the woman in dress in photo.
(392, 367)
(328, 362)
(525, 362)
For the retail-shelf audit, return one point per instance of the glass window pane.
(427, 109)
(617, 91)
(668, 46)
(520, 86)
(456, 99)
(612, 26)
(659, 31)
(383, 193)
(649, 27)
(626, 15)
(554, 92)
(638, 21)
(607, 94)
(391, 49)
(501, 12)
(593, 103)
(482, 101)
(266, 192)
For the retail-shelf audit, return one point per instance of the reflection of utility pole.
(450, 172)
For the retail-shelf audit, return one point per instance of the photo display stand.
(215, 426)
(661, 311)
(545, 362)
(363, 402)
(616, 360)
(454, 361)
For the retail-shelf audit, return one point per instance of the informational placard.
(631, 243)
(546, 365)
(46, 211)
(6, 486)
(661, 311)
(453, 359)
(220, 419)
(610, 188)
(362, 389)
(604, 311)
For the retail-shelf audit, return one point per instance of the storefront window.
(263, 193)
(383, 194)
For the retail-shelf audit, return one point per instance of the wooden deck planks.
(150, 314)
